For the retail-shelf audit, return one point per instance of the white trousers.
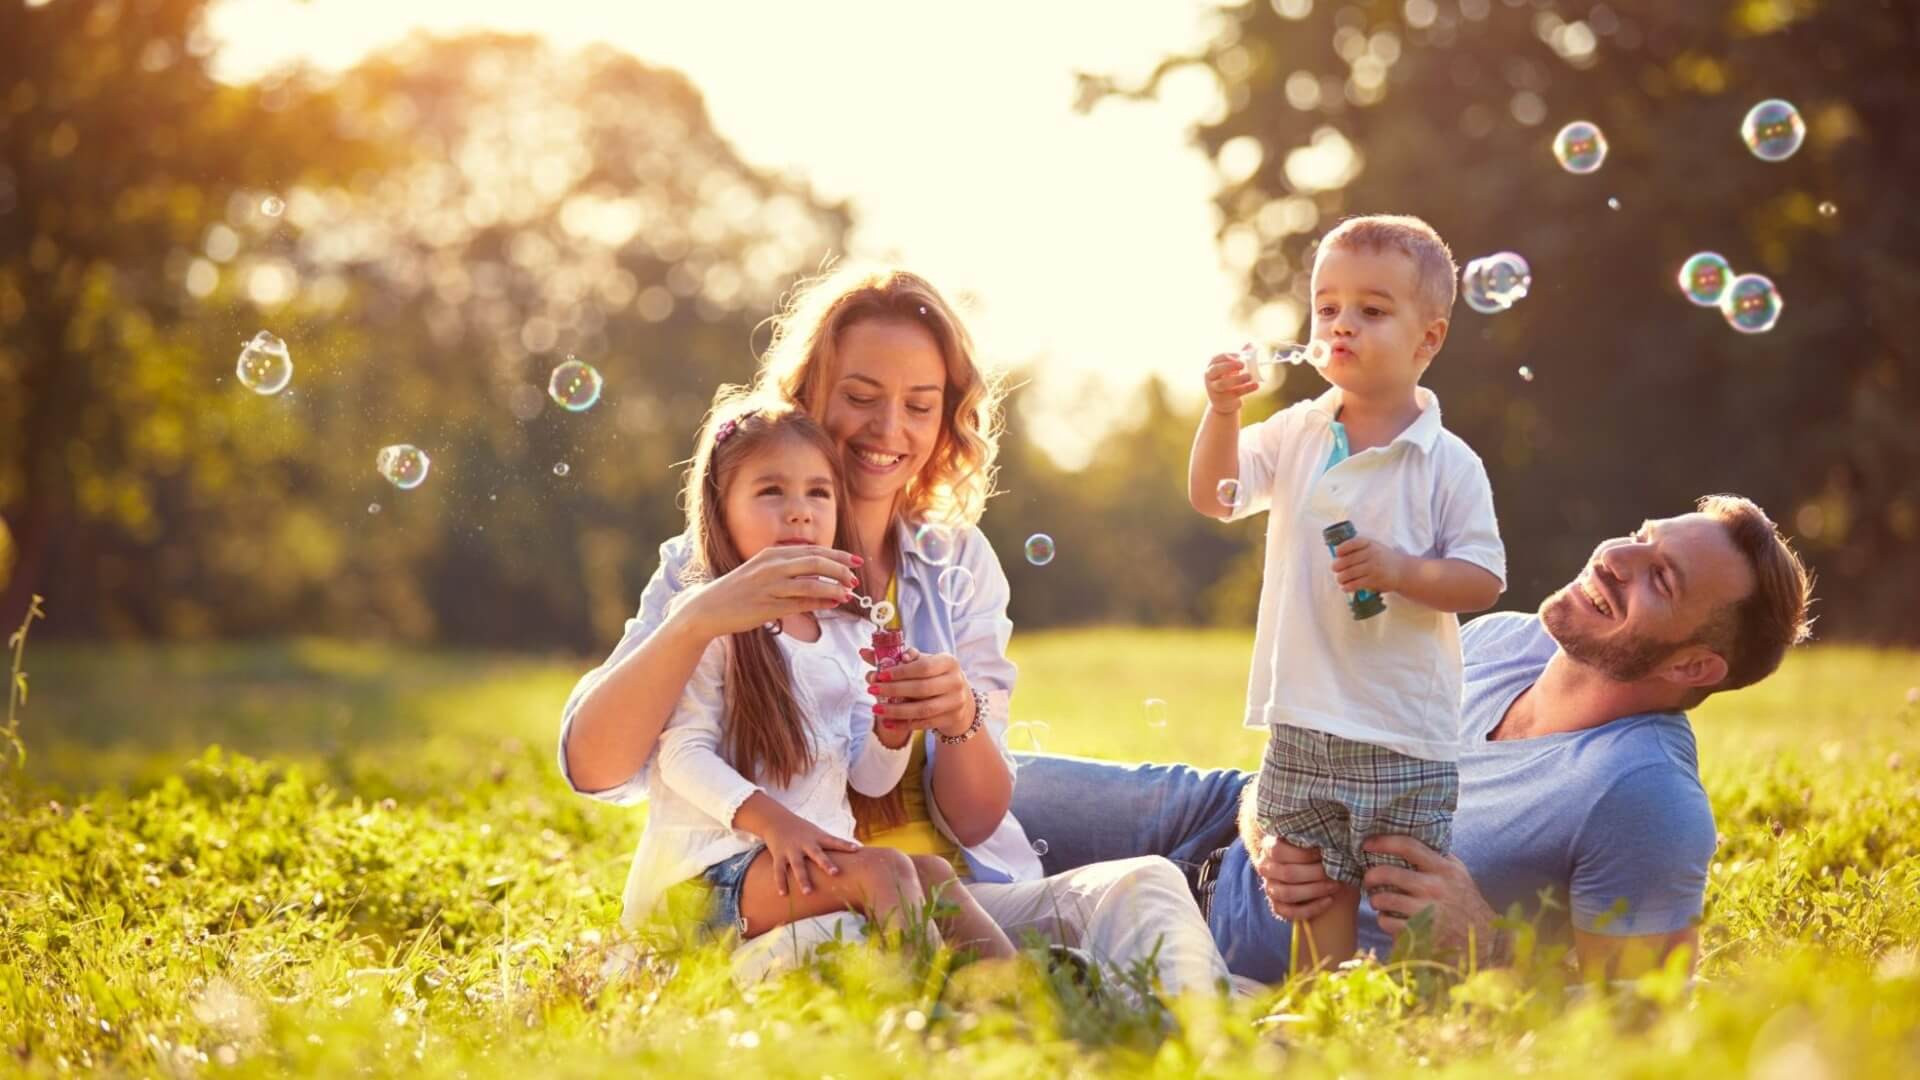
(1119, 912)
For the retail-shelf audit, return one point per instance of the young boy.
(1363, 715)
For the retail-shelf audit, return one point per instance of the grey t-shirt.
(1612, 819)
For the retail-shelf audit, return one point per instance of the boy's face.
(1367, 308)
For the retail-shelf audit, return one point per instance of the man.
(1578, 777)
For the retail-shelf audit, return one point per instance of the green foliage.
(394, 881)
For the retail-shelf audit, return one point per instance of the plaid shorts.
(1320, 790)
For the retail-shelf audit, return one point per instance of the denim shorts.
(727, 878)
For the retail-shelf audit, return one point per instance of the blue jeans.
(1091, 811)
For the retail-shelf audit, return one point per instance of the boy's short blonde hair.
(1433, 268)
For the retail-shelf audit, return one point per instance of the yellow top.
(918, 835)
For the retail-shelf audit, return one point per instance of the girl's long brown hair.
(765, 735)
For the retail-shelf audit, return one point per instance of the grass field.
(379, 871)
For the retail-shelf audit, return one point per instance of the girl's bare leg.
(970, 927)
(873, 881)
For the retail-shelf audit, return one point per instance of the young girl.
(755, 763)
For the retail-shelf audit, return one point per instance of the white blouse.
(696, 792)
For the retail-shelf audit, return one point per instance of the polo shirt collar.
(1423, 432)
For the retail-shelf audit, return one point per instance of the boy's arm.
(1442, 584)
(1216, 445)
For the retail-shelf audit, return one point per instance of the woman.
(885, 365)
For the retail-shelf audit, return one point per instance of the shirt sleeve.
(655, 602)
(1640, 861)
(981, 631)
(876, 769)
(1260, 462)
(1465, 526)
(688, 757)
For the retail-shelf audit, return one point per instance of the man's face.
(1644, 598)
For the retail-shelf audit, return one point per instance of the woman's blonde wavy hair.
(798, 366)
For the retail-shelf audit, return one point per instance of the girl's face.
(781, 495)
(884, 406)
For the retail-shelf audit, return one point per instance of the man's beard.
(1622, 661)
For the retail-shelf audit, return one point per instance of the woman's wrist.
(969, 717)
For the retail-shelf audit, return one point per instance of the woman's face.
(883, 406)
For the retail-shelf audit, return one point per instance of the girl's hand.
(925, 691)
(776, 582)
(794, 842)
(1361, 563)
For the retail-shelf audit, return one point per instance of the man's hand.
(1361, 563)
(1294, 878)
(1441, 882)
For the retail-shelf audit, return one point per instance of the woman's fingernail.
(879, 710)
(858, 561)
(883, 676)
(856, 580)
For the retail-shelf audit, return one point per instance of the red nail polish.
(883, 676)
(856, 579)
(858, 561)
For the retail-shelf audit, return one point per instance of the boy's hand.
(1361, 563)
(1228, 380)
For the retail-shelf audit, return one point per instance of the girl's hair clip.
(725, 432)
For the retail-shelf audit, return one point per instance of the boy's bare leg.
(971, 927)
(873, 881)
(1331, 937)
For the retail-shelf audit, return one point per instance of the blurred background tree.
(461, 215)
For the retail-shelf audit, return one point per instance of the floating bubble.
(1828, 209)
(561, 468)
(265, 367)
(1156, 713)
(405, 466)
(272, 206)
(1526, 373)
(1027, 734)
(882, 613)
(934, 543)
(1230, 494)
(1580, 147)
(1039, 549)
(955, 585)
(1495, 283)
(574, 385)
(373, 508)
(1773, 130)
(1040, 847)
(1613, 203)
(1751, 304)
(1704, 278)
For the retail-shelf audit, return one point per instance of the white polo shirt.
(1393, 680)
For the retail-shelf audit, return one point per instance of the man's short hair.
(1754, 632)
(1433, 269)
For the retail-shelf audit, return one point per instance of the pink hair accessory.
(726, 430)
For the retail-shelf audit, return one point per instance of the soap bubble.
(574, 385)
(1230, 494)
(1580, 147)
(1613, 203)
(934, 543)
(1773, 130)
(373, 508)
(561, 468)
(1040, 847)
(956, 585)
(405, 466)
(265, 367)
(1704, 278)
(272, 206)
(1495, 283)
(1027, 734)
(1039, 549)
(1156, 713)
(1751, 304)
(1828, 209)
(1526, 373)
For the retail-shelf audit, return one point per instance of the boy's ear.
(1434, 337)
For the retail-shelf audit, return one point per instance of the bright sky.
(1088, 240)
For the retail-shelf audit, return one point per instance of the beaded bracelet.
(979, 721)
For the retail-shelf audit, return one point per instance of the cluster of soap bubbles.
(1495, 283)
(1749, 302)
(266, 367)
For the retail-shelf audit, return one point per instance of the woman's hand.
(776, 582)
(925, 691)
